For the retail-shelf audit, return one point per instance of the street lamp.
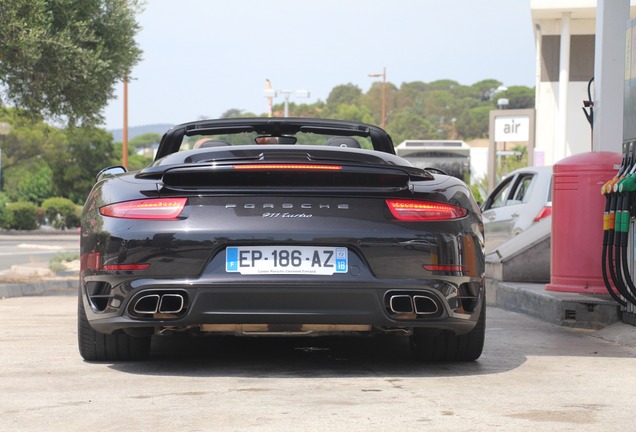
(383, 75)
(271, 93)
(5, 128)
(502, 103)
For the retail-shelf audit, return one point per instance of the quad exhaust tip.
(412, 303)
(163, 303)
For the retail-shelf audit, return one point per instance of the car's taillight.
(153, 209)
(416, 210)
(288, 167)
(544, 213)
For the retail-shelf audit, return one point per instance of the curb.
(564, 309)
(22, 289)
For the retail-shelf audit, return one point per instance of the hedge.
(21, 216)
(61, 212)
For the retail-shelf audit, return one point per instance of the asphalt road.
(532, 376)
(34, 249)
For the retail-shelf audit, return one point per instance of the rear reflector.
(415, 210)
(153, 209)
(288, 167)
(125, 267)
(544, 213)
(90, 261)
(444, 268)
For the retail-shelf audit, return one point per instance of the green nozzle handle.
(622, 221)
(628, 184)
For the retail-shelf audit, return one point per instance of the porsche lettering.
(286, 206)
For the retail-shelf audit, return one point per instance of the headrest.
(343, 142)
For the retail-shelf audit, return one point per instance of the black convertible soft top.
(172, 139)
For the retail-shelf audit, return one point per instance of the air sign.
(512, 129)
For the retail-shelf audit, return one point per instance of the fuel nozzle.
(614, 222)
(609, 217)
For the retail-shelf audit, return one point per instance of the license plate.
(307, 260)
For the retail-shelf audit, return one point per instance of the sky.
(203, 57)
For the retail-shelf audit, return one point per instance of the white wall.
(578, 129)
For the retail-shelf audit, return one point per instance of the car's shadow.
(511, 339)
(276, 357)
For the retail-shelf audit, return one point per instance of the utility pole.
(124, 141)
(383, 75)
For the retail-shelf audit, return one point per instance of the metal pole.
(287, 104)
(383, 75)
(124, 143)
(561, 145)
(384, 97)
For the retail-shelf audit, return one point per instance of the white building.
(565, 47)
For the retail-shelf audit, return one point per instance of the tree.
(408, 125)
(28, 138)
(62, 58)
(411, 94)
(519, 97)
(88, 151)
(144, 140)
(348, 94)
(352, 113)
(473, 123)
(446, 85)
(30, 181)
(486, 88)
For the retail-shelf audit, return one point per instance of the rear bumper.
(295, 303)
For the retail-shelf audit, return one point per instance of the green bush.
(4, 213)
(22, 216)
(61, 212)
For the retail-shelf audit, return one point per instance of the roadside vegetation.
(64, 261)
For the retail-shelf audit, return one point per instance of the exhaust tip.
(171, 303)
(159, 304)
(401, 304)
(424, 305)
(412, 305)
(148, 304)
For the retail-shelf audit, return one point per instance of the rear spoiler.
(290, 177)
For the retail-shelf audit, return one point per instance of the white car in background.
(521, 199)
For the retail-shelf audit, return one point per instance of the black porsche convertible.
(280, 226)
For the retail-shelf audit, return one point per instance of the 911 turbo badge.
(288, 215)
(306, 236)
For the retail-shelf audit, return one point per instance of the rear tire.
(94, 346)
(448, 346)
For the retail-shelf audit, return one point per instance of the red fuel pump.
(577, 221)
